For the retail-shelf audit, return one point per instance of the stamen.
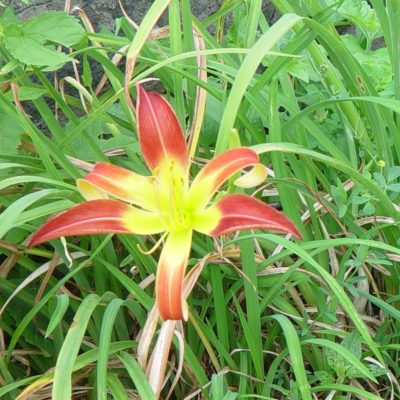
(182, 200)
(172, 193)
(155, 247)
(170, 190)
(157, 195)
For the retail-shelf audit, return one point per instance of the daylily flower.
(164, 202)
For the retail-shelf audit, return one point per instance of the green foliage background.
(273, 318)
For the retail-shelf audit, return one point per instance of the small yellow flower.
(381, 163)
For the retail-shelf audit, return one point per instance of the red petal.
(217, 171)
(170, 274)
(96, 217)
(123, 184)
(160, 133)
(240, 212)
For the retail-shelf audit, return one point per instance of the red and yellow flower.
(122, 201)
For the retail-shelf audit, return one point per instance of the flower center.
(170, 185)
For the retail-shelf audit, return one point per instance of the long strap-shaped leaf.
(107, 325)
(246, 73)
(135, 372)
(296, 358)
(139, 40)
(70, 348)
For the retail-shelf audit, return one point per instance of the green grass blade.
(8, 217)
(296, 358)
(105, 339)
(139, 379)
(58, 314)
(116, 387)
(245, 74)
(361, 393)
(62, 389)
(252, 306)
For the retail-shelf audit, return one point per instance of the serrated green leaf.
(54, 26)
(376, 370)
(97, 130)
(324, 377)
(32, 42)
(27, 50)
(334, 359)
(363, 15)
(352, 342)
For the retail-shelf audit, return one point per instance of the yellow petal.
(252, 178)
(206, 220)
(216, 172)
(120, 183)
(89, 191)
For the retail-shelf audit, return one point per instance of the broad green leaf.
(26, 49)
(394, 187)
(55, 26)
(394, 173)
(33, 42)
(10, 135)
(28, 93)
(368, 209)
(361, 13)
(8, 17)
